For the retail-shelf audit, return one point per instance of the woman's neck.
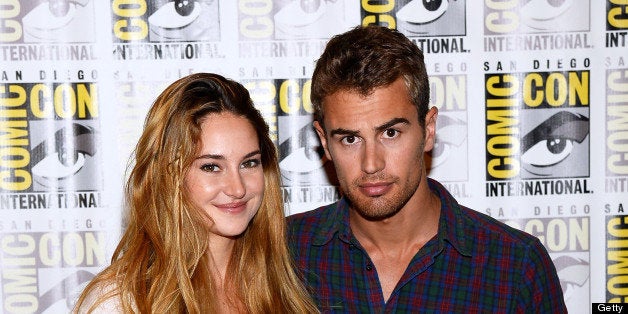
(220, 249)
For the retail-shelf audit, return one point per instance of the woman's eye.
(251, 163)
(209, 168)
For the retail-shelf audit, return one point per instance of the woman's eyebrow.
(222, 157)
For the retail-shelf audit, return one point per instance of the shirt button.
(369, 267)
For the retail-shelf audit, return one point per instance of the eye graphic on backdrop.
(68, 290)
(175, 14)
(60, 158)
(422, 11)
(180, 20)
(47, 17)
(184, 7)
(552, 142)
(301, 12)
(574, 274)
(59, 8)
(301, 153)
(309, 19)
(310, 6)
(450, 134)
(536, 12)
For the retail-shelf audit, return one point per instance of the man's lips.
(234, 208)
(375, 189)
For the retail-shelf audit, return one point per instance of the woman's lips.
(232, 208)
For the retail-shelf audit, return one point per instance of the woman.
(206, 227)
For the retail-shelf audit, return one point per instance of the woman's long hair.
(162, 263)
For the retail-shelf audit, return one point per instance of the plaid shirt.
(474, 264)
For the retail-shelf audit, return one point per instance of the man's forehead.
(370, 119)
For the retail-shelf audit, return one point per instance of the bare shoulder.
(103, 298)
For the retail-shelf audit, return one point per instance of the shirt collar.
(337, 221)
(452, 227)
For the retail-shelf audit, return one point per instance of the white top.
(108, 306)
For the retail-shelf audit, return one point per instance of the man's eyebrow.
(383, 127)
(391, 123)
(341, 131)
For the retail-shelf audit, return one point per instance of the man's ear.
(322, 138)
(430, 129)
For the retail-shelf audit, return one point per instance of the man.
(397, 241)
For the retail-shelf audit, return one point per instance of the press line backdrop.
(532, 129)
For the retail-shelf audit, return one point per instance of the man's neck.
(415, 224)
(393, 242)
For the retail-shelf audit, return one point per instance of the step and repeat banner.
(533, 124)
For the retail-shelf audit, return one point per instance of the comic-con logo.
(616, 263)
(301, 157)
(308, 178)
(47, 21)
(567, 240)
(48, 137)
(617, 122)
(431, 25)
(132, 99)
(45, 271)
(537, 125)
(507, 17)
(293, 19)
(617, 15)
(164, 21)
(417, 17)
(558, 235)
(448, 93)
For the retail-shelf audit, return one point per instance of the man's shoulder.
(472, 226)
(320, 222)
(488, 228)
(311, 217)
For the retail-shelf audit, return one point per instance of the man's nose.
(372, 158)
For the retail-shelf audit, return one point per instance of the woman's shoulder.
(103, 297)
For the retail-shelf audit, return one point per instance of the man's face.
(377, 146)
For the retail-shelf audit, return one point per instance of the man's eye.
(390, 133)
(349, 139)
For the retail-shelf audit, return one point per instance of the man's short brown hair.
(366, 58)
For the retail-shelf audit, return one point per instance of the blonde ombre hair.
(161, 264)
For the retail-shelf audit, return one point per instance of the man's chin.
(373, 208)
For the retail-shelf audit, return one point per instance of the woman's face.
(226, 179)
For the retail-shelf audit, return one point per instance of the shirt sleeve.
(539, 289)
